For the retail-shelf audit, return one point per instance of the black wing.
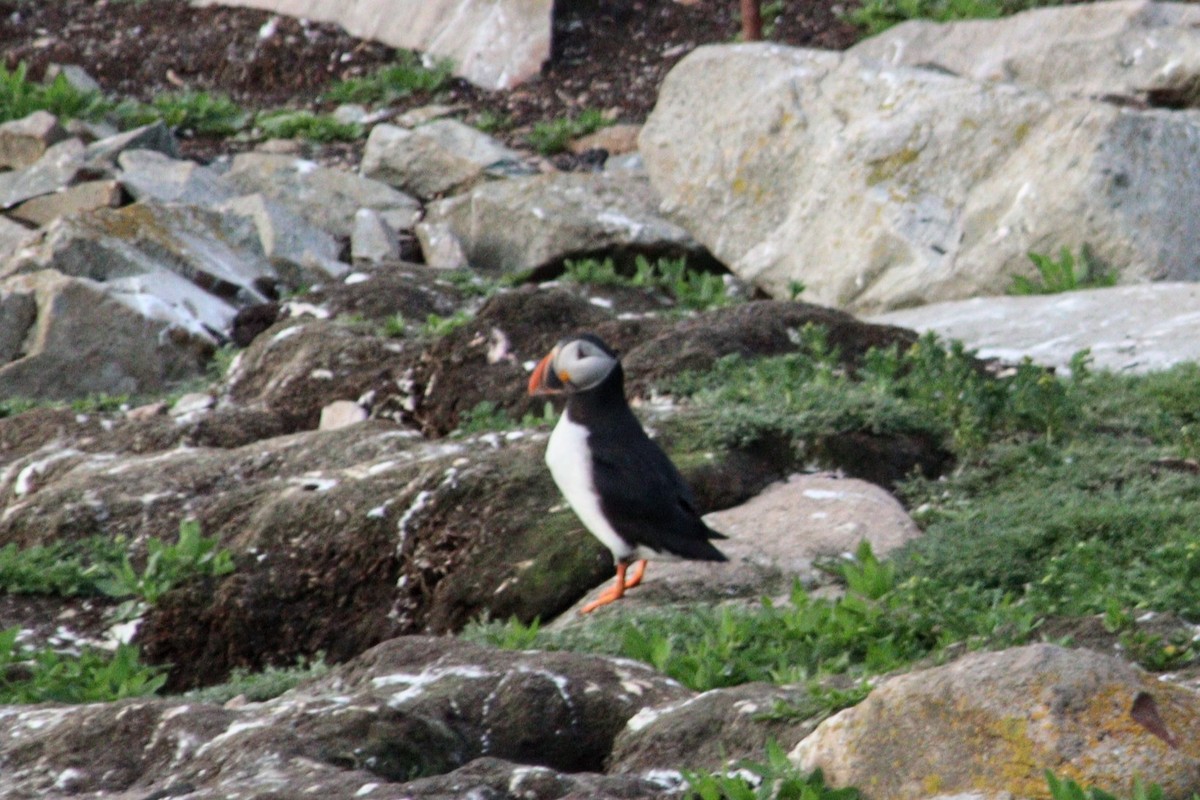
(647, 501)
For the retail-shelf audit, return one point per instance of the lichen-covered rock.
(536, 222)
(998, 721)
(64, 337)
(412, 708)
(710, 731)
(1129, 49)
(884, 187)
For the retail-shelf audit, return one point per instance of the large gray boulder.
(415, 708)
(880, 187)
(1140, 328)
(1000, 720)
(537, 222)
(192, 266)
(1131, 49)
(64, 337)
(439, 158)
(494, 44)
(326, 197)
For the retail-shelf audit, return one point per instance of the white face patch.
(570, 462)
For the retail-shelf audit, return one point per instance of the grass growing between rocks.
(100, 568)
(690, 289)
(1072, 498)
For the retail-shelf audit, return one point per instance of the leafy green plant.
(61, 568)
(283, 124)
(406, 77)
(266, 684)
(776, 778)
(394, 326)
(20, 97)
(29, 676)
(690, 289)
(549, 138)
(437, 325)
(492, 122)
(1067, 789)
(1067, 274)
(167, 565)
(198, 113)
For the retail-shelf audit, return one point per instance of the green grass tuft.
(549, 138)
(284, 124)
(690, 289)
(93, 676)
(20, 97)
(1067, 274)
(405, 78)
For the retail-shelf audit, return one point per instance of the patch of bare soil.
(607, 54)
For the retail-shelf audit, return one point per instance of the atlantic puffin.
(620, 484)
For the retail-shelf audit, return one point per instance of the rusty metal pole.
(751, 21)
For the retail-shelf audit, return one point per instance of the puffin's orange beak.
(537, 381)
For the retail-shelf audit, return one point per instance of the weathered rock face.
(62, 336)
(328, 198)
(1126, 328)
(409, 708)
(440, 158)
(880, 186)
(1131, 49)
(708, 731)
(495, 45)
(999, 719)
(537, 222)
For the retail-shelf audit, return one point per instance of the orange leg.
(618, 588)
(639, 570)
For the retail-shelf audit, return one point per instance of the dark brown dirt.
(609, 54)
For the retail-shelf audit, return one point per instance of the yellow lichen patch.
(1021, 132)
(885, 168)
(932, 784)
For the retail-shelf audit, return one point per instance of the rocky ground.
(322, 368)
(610, 55)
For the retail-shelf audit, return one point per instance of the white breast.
(570, 462)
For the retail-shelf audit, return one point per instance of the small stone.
(81, 197)
(146, 412)
(281, 147)
(616, 139)
(192, 403)
(350, 114)
(373, 239)
(341, 414)
(23, 141)
(440, 247)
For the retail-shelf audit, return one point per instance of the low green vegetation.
(436, 325)
(1072, 498)
(874, 16)
(198, 113)
(408, 76)
(1067, 789)
(549, 138)
(284, 124)
(96, 567)
(94, 675)
(257, 687)
(690, 289)
(1066, 274)
(20, 97)
(485, 417)
(103, 567)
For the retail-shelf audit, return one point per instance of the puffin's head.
(574, 365)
